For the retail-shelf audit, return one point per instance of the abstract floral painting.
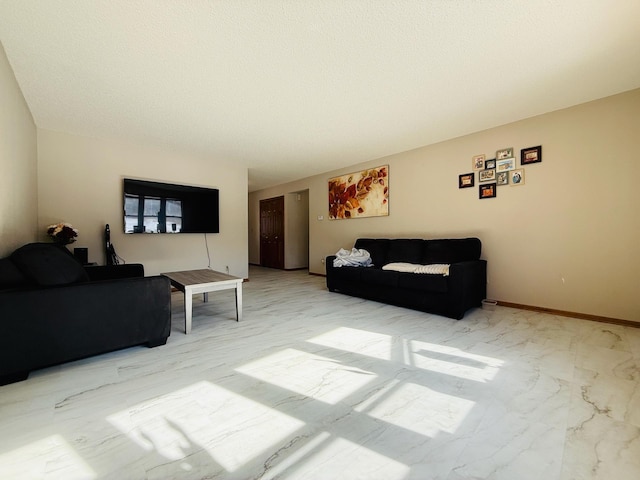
(360, 194)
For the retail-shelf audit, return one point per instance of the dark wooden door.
(272, 232)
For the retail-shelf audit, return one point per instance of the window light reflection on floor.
(231, 428)
(322, 378)
(453, 361)
(339, 455)
(363, 342)
(421, 409)
(52, 455)
(427, 356)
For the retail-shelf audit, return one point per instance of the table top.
(197, 277)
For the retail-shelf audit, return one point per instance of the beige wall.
(80, 182)
(18, 164)
(567, 239)
(296, 230)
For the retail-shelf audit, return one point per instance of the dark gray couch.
(54, 310)
(450, 296)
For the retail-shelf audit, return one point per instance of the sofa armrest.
(114, 272)
(329, 271)
(469, 281)
(469, 267)
(47, 326)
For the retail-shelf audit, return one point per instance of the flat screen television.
(155, 207)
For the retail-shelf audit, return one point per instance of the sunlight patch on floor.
(52, 455)
(421, 409)
(363, 342)
(453, 361)
(231, 428)
(343, 459)
(322, 378)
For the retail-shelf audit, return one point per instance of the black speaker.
(81, 254)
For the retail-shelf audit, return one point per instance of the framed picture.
(478, 162)
(360, 194)
(531, 155)
(491, 163)
(505, 165)
(466, 180)
(504, 153)
(487, 175)
(516, 177)
(487, 190)
(502, 178)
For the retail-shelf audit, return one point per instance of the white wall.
(18, 164)
(296, 230)
(567, 239)
(80, 182)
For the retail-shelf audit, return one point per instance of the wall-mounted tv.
(155, 207)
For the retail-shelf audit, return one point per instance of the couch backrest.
(451, 250)
(419, 251)
(48, 265)
(377, 248)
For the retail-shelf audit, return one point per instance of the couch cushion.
(48, 264)
(451, 250)
(377, 276)
(425, 283)
(377, 248)
(114, 272)
(348, 274)
(405, 250)
(10, 276)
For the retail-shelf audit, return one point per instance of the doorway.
(272, 232)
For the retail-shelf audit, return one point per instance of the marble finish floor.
(315, 385)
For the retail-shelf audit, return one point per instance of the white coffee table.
(191, 282)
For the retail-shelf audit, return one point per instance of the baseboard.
(285, 269)
(564, 313)
(318, 274)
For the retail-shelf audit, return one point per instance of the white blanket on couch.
(432, 269)
(354, 258)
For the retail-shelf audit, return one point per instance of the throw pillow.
(48, 264)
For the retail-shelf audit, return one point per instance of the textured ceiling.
(295, 88)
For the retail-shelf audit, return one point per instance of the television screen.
(154, 207)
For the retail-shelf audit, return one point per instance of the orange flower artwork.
(360, 194)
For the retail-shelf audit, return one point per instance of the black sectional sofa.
(450, 296)
(54, 310)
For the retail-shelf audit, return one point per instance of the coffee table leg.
(238, 302)
(188, 304)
